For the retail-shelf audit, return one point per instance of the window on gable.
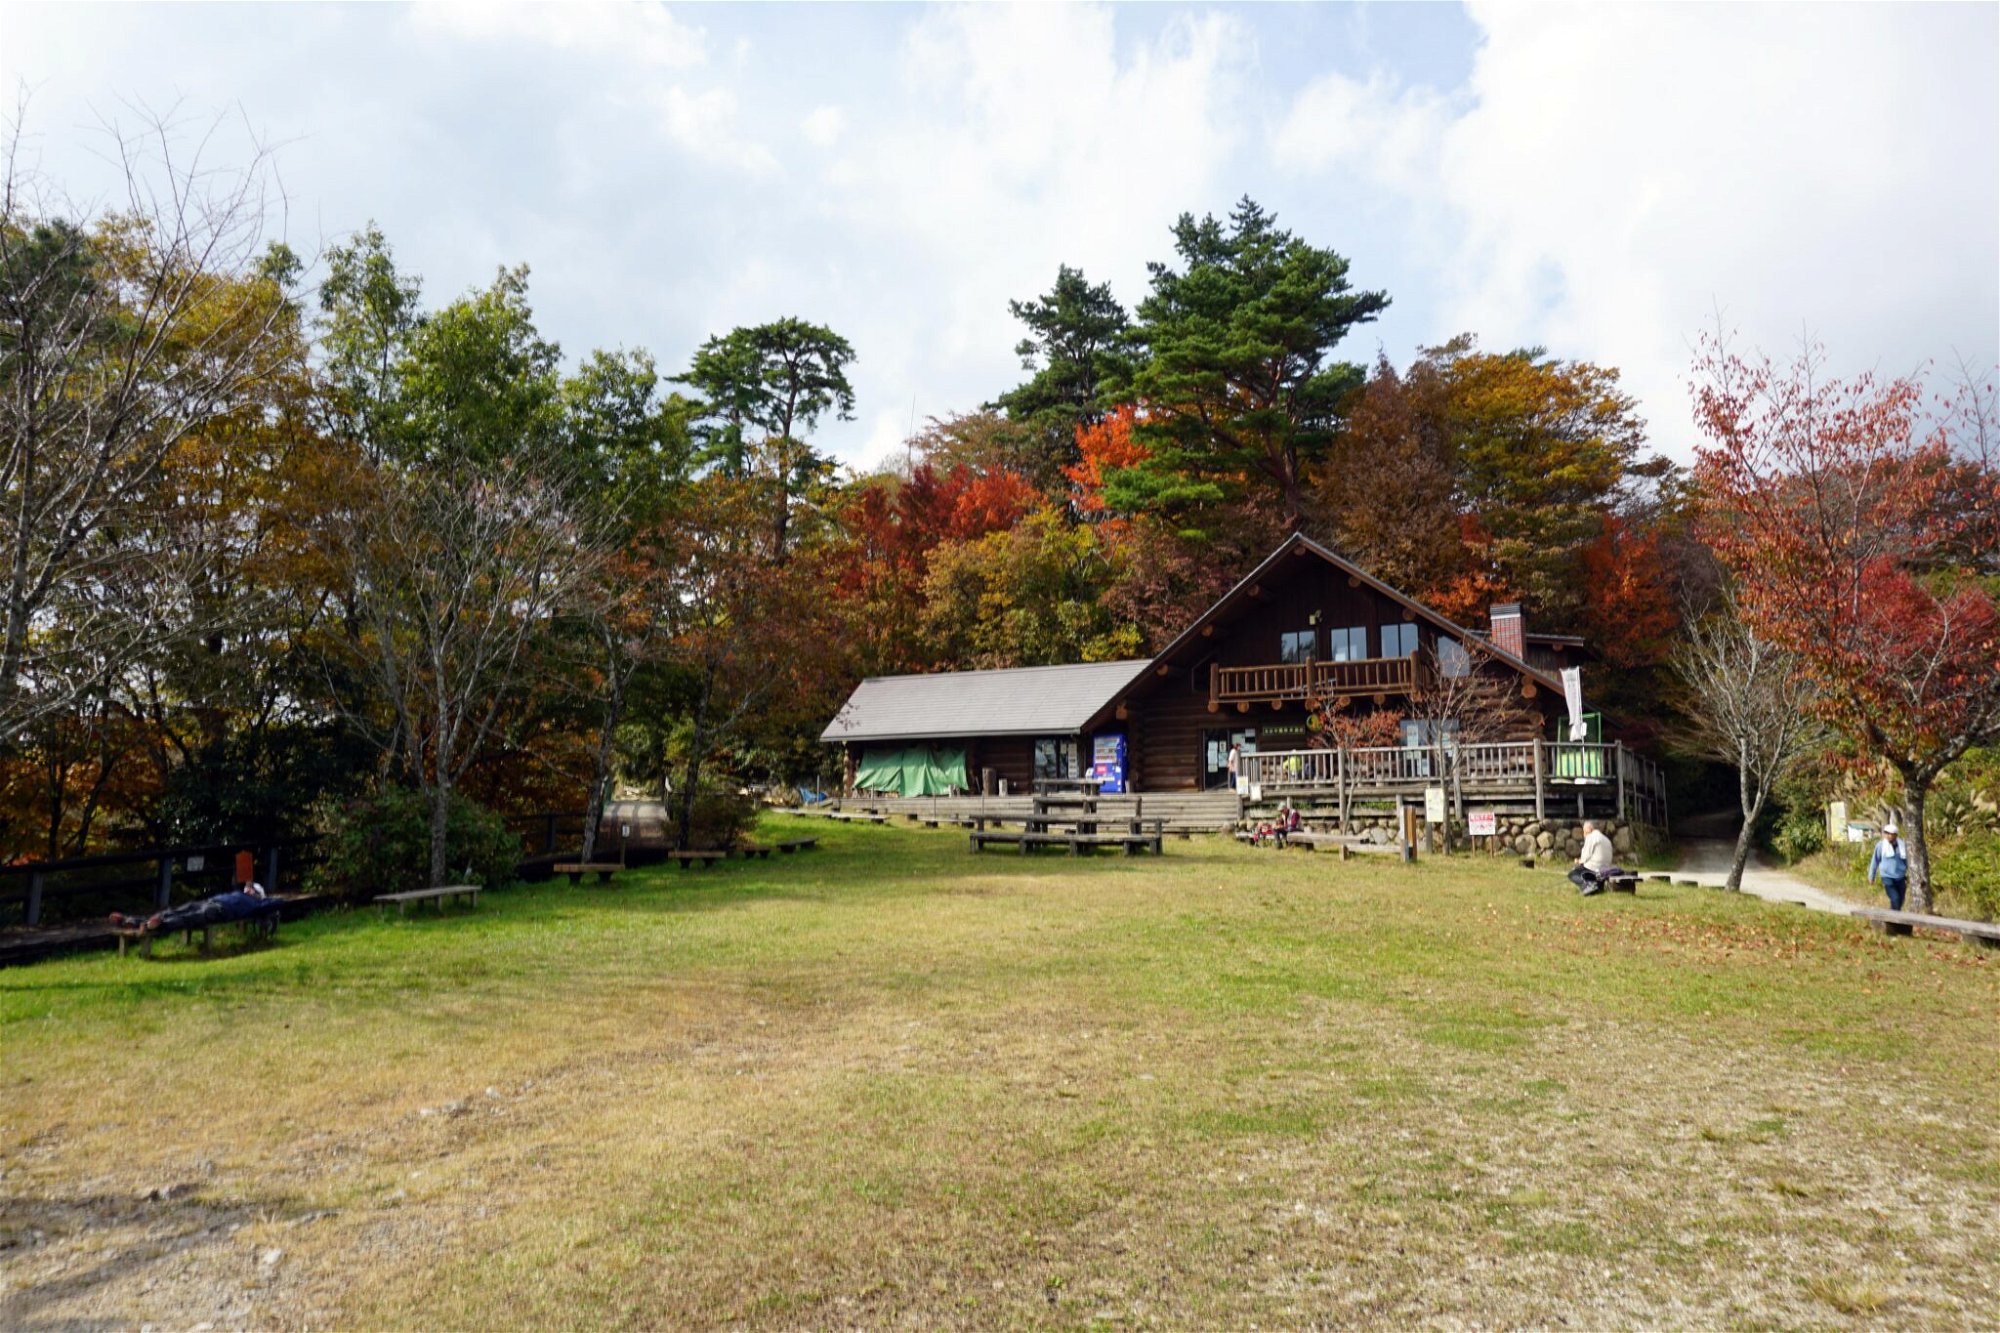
(1350, 644)
(1399, 640)
(1454, 662)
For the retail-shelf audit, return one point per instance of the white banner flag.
(1573, 693)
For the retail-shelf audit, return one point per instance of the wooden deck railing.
(1277, 682)
(1627, 781)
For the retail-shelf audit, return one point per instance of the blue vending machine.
(1107, 762)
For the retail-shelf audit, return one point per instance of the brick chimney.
(1509, 633)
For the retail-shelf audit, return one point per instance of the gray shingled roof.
(1026, 701)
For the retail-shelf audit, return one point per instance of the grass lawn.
(893, 1083)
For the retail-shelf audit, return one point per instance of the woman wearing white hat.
(1891, 863)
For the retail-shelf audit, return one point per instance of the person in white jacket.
(1595, 863)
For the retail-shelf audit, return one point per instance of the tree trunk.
(1914, 795)
(691, 772)
(440, 814)
(1745, 838)
(600, 773)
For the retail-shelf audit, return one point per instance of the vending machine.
(1107, 763)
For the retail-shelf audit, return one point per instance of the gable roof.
(1023, 701)
(1297, 542)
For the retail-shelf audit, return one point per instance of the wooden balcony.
(1376, 677)
(1599, 778)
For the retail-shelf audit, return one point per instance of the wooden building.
(1304, 633)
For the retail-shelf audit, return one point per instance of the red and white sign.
(1482, 823)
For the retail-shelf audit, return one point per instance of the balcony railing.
(1278, 682)
(1616, 776)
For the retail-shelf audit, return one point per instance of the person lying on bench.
(240, 903)
(1594, 866)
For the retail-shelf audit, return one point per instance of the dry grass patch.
(892, 1084)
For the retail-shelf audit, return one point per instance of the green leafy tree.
(1078, 345)
(1032, 595)
(1241, 393)
(763, 389)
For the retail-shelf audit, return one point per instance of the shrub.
(1801, 831)
(382, 844)
(1967, 877)
(722, 815)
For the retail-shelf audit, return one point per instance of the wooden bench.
(1077, 843)
(576, 870)
(1623, 884)
(438, 895)
(264, 923)
(1983, 933)
(703, 859)
(750, 849)
(798, 845)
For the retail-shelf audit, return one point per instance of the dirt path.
(1707, 860)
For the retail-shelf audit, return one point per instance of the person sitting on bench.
(1595, 866)
(1286, 824)
(240, 903)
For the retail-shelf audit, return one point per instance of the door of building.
(1215, 755)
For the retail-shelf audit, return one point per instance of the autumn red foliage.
(1859, 522)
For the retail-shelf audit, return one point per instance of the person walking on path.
(1891, 865)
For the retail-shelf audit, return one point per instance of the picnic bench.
(1984, 933)
(704, 859)
(798, 845)
(263, 923)
(576, 870)
(750, 849)
(1078, 843)
(438, 895)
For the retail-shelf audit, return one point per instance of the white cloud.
(705, 124)
(823, 126)
(1617, 172)
(1020, 139)
(647, 34)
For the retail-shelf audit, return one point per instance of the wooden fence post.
(35, 898)
(1540, 813)
(1618, 761)
(165, 896)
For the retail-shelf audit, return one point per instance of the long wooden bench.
(703, 859)
(576, 870)
(439, 895)
(1077, 843)
(1983, 933)
(791, 845)
(264, 923)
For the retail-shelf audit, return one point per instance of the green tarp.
(919, 770)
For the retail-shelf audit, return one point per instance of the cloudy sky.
(1599, 180)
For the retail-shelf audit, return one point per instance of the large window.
(1296, 646)
(1454, 663)
(1351, 644)
(1399, 640)
(1056, 757)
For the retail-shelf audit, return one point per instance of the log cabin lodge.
(1305, 629)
